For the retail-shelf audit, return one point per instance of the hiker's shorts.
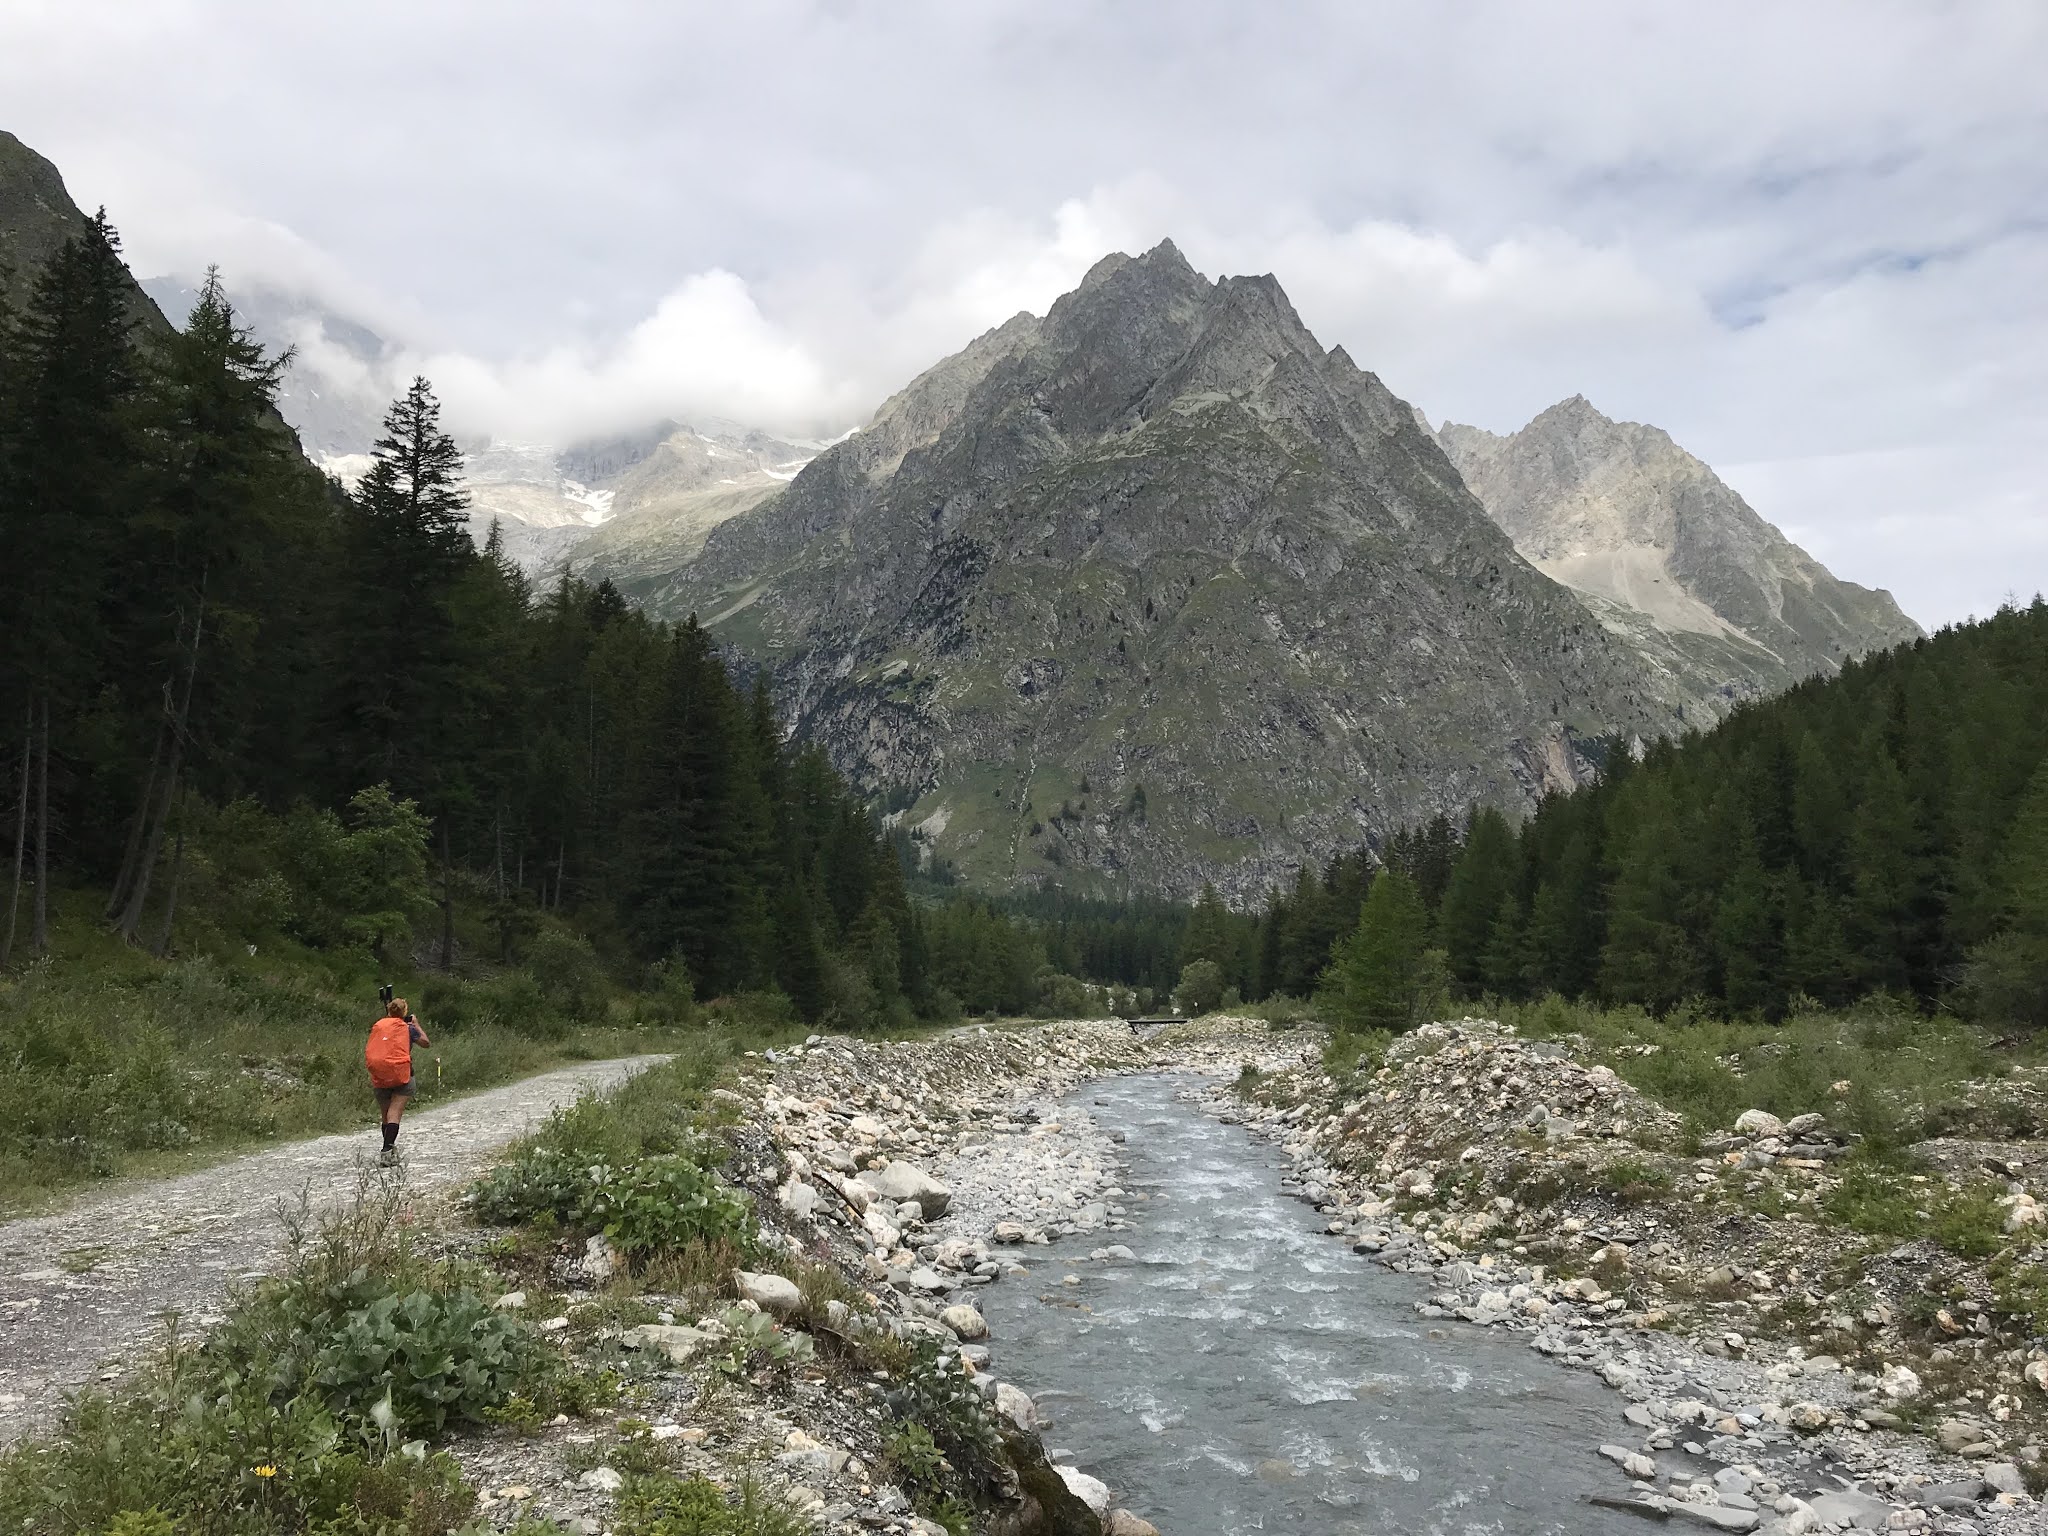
(386, 1095)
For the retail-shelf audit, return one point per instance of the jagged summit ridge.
(1155, 589)
(1666, 551)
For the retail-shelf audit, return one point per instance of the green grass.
(1906, 1073)
(113, 1062)
(311, 1407)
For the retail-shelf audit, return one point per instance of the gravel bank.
(83, 1292)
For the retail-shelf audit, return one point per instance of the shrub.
(1633, 1180)
(294, 1415)
(935, 1395)
(1346, 1052)
(648, 1206)
(421, 1358)
(753, 1341)
(1201, 987)
(568, 973)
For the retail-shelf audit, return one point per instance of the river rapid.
(1247, 1373)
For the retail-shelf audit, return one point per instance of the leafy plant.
(935, 1395)
(752, 1340)
(425, 1358)
(648, 1206)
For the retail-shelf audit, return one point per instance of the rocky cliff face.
(36, 217)
(1721, 603)
(1154, 590)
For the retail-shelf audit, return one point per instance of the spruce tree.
(407, 552)
(1481, 886)
(1373, 975)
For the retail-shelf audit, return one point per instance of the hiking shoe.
(388, 1158)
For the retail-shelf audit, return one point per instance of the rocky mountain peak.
(1663, 550)
(1152, 591)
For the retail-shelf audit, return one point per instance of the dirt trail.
(80, 1292)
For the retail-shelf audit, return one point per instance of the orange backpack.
(389, 1053)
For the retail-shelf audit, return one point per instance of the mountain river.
(1249, 1373)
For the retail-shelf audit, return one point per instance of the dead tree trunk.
(28, 737)
(138, 893)
(163, 933)
(124, 876)
(39, 934)
(447, 902)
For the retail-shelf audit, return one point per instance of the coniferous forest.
(212, 641)
(1885, 830)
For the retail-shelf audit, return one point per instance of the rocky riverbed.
(1774, 1368)
(1764, 1369)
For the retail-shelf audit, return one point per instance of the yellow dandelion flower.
(266, 1470)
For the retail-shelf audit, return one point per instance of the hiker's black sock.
(390, 1134)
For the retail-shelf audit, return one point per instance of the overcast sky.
(1810, 239)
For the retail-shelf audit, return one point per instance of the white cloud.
(1803, 238)
(706, 350)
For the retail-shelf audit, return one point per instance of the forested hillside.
(226, 682)
(1883, 830)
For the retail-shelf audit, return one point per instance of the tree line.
(198, 619)
(1882, 830)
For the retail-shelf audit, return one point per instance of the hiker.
(389, 1058)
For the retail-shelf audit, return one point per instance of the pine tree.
(1481, 887)
(2007, 976)
(69, 457)
(408, 550)
(1209, 935)
(1649, 957)
(1373, 976)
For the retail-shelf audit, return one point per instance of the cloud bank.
(1805, 240)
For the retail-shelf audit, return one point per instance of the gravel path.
(80, 1292)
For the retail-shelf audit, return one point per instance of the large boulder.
(773, 1294)
(1759, 1122)
(1092, 1491)
(907, 1181)
(967, 1324)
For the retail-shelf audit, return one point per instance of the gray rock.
(602, 1479)
(967, 1324)
(1716, 1517)
(1846, 1507)
(1957, 1435)
(1091, 1491)
(1634, 1463)
(680, 1344)
(1955, 1498)
(1759, 1122)
(2005, 1477)
(906, 1181)
(1015, 1404)
(771, 1293)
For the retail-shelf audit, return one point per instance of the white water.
(1243, 1338)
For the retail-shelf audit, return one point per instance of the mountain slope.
(1155, 590)
(1667, 555)
(36, 217)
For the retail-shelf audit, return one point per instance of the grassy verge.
(113, 1062)
(312, 1407)
(1881, 1069)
